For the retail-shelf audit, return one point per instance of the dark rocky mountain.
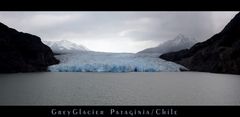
(23, 52)
(178, 43)
(219, 54)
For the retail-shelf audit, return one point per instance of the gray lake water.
(156, 88)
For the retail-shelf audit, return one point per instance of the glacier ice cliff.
(112, 62)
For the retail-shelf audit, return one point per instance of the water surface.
(144, 88)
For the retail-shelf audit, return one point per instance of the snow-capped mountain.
(178, 43)
(64, 46)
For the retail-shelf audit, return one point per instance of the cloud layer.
(117, 31)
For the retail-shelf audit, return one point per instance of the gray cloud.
(134, 26)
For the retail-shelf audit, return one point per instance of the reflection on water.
(158, 88)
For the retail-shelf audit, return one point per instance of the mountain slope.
(23, 52)
(64, 46)
(178, 43)
(219, 54)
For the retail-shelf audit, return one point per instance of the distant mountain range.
(178, 43)
(64, 46)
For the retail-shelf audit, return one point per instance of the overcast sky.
(117, 31)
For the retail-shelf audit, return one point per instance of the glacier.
(112, 62)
